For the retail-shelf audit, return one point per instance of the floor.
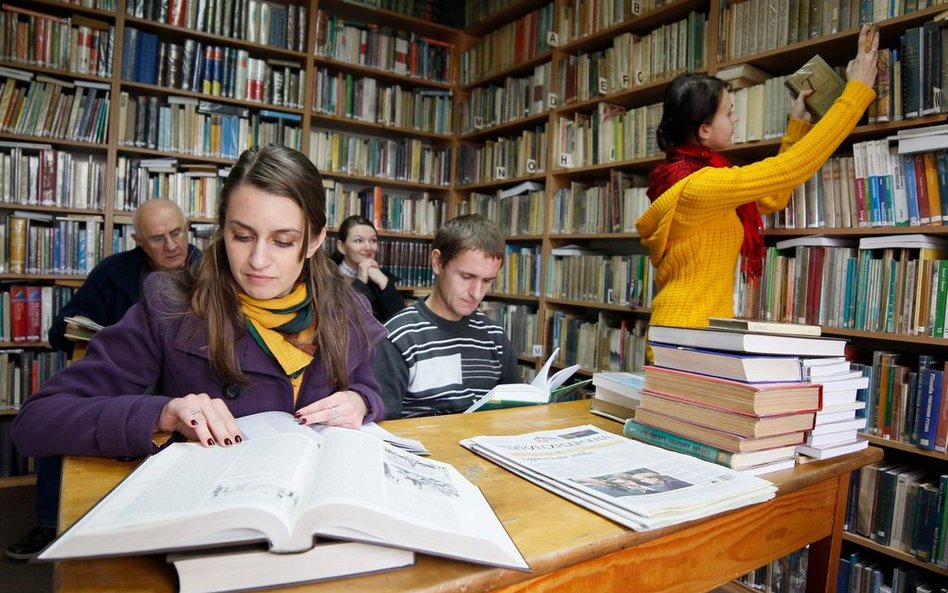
(16, 519)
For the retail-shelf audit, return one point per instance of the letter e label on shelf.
(603, 86)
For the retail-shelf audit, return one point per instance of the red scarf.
(684, 160)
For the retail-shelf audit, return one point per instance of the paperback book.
(538, 391)
(748, 342)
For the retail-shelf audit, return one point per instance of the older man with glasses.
(113, 286)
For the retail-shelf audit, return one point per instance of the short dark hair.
(469, 232)
(691, 100)
(351, 221)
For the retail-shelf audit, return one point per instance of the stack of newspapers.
(640, 486)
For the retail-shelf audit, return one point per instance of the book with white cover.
(834, 451)
(287, 488)
(257, 568)
(517, 394)
(764, 327)
(728, 365)
(736, 341)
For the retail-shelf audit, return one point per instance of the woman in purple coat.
(267, 324)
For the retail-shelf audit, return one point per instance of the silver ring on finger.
(335, 412)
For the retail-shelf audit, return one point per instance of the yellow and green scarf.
(279, 325)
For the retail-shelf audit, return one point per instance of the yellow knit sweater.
(692, 230)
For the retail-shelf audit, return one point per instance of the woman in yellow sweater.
(705, 213)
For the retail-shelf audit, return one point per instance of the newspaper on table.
(637, 485)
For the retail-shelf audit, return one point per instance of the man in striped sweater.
(441, 353)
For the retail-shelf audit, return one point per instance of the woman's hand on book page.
(200, 418)
(864, 67)
(798, 108)
(343, 408)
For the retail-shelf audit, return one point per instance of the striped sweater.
(435, 366)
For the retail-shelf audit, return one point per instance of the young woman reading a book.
(268, 323)
(705, 213)
(357, 248)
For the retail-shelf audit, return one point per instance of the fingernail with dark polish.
(238, 439)
(297, 414)
(194, 423)
(210, 442)
(227, 443)
(302, 420)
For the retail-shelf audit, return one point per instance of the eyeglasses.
(158, 241)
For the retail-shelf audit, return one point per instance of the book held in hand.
(817, 76)
(248, 568)
(80, 328)
(537, 391)
(287, 488)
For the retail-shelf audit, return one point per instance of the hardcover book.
(304, 483)
(735, 341)
(728, 365)
(817, 76)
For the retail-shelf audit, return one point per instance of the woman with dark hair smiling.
(358, 246)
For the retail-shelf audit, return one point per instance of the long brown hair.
(284, 172)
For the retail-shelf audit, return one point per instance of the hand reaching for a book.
(863, 67)
(798, 108)
(200, 418)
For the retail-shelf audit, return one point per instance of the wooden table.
(568, 547)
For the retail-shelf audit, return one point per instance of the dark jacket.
(98, 406)
(385, 303)
(111, 288)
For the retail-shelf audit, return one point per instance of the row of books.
(908, 403)
(190, 126)
(11, 462)
(193, 187)
(49, 107)
(400, 52)
(901, 507)
(874, 288)
(865, 570)
(633, 60)
(755, 26)
(103, 5)
(27, 311)
(786, 574)
(508, 101)
(582, 18)
(876, 187)
(37, 175)
(761, 111)
(504, 158)
(393, 210)
(577, 274)
(22, 371)
(405, 159)
(519, 323)
(426, 10)
(518, 210)
(37, 243)
(409, 260)
(513, 43)
(520, 274)
(214, 70)
(367, 99)
(273, 24)
(74, 43)
(608, 343)
(610, 134)
(612, 206)
(200, 234)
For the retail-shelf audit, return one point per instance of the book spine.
(673, 442)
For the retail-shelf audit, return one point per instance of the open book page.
(366, 490)
(646, 487)
(189, 495)
(536, 392)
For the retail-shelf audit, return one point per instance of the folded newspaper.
(634, 484)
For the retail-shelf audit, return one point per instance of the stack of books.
(617, 394)
(746, 399)
(842, 415)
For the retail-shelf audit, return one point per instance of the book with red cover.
(18, 313)
(34, 313)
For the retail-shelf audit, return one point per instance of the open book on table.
(537, 391)
(285, 484)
